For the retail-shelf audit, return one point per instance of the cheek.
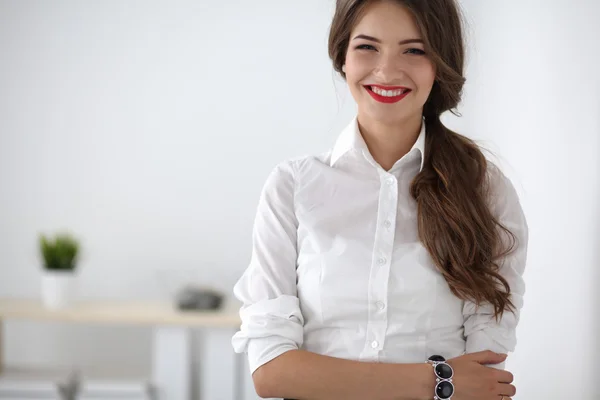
(429, 70)
(425, 75)
(358, 65)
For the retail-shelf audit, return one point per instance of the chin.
(391, 115)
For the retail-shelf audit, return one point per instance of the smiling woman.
(401, 247)
(386, 50)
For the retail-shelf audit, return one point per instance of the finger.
(507, 390)
(504, 376)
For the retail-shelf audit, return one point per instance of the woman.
(399, 248)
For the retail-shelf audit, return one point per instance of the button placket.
(380, 271)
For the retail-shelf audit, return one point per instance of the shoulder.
(294, 168)
(499, 185)
(497, 180)
(503, 198)
(287, 173)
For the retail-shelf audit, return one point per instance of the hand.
(474, 381)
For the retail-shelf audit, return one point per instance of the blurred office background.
(147, 128)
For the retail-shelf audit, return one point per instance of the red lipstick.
(387, 99)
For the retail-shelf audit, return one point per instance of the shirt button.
(380, 305)
(381, 261)
(387, 224)
(375, 344)
(391, 181)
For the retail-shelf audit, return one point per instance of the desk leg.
(1, 344)
(219, 366)
(171, 363)
(238, 372)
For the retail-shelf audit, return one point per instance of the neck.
(389, 142)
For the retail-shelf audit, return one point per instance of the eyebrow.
(371, 38)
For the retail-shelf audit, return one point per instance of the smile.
(387, 94)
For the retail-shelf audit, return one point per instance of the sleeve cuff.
(482, 340)
(269, 329)
(261, 351)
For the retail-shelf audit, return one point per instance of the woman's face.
(385, 52)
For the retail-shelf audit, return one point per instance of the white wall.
(148, 129)
(532, 97)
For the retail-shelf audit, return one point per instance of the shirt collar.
(350, 139)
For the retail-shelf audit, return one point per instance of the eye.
(365, 47)
(416, 51)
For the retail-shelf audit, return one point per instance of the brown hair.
(455, 222)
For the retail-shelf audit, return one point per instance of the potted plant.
(60, 262)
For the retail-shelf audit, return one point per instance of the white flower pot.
(57, 289)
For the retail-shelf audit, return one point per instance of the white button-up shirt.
(337, 267)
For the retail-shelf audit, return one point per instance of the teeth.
(387, 93)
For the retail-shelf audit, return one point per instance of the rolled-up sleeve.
(272, 322)
(481, 329)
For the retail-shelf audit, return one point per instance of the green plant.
(59, 254)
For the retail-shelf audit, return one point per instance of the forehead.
(386, 20)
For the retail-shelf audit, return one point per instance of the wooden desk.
(120, 312)
(171, 365)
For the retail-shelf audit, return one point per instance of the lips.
(387, 94)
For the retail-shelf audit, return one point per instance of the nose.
(389, 69)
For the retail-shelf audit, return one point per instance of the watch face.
(444, 371)
(444, 390)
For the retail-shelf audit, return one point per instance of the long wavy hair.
(455, 222)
